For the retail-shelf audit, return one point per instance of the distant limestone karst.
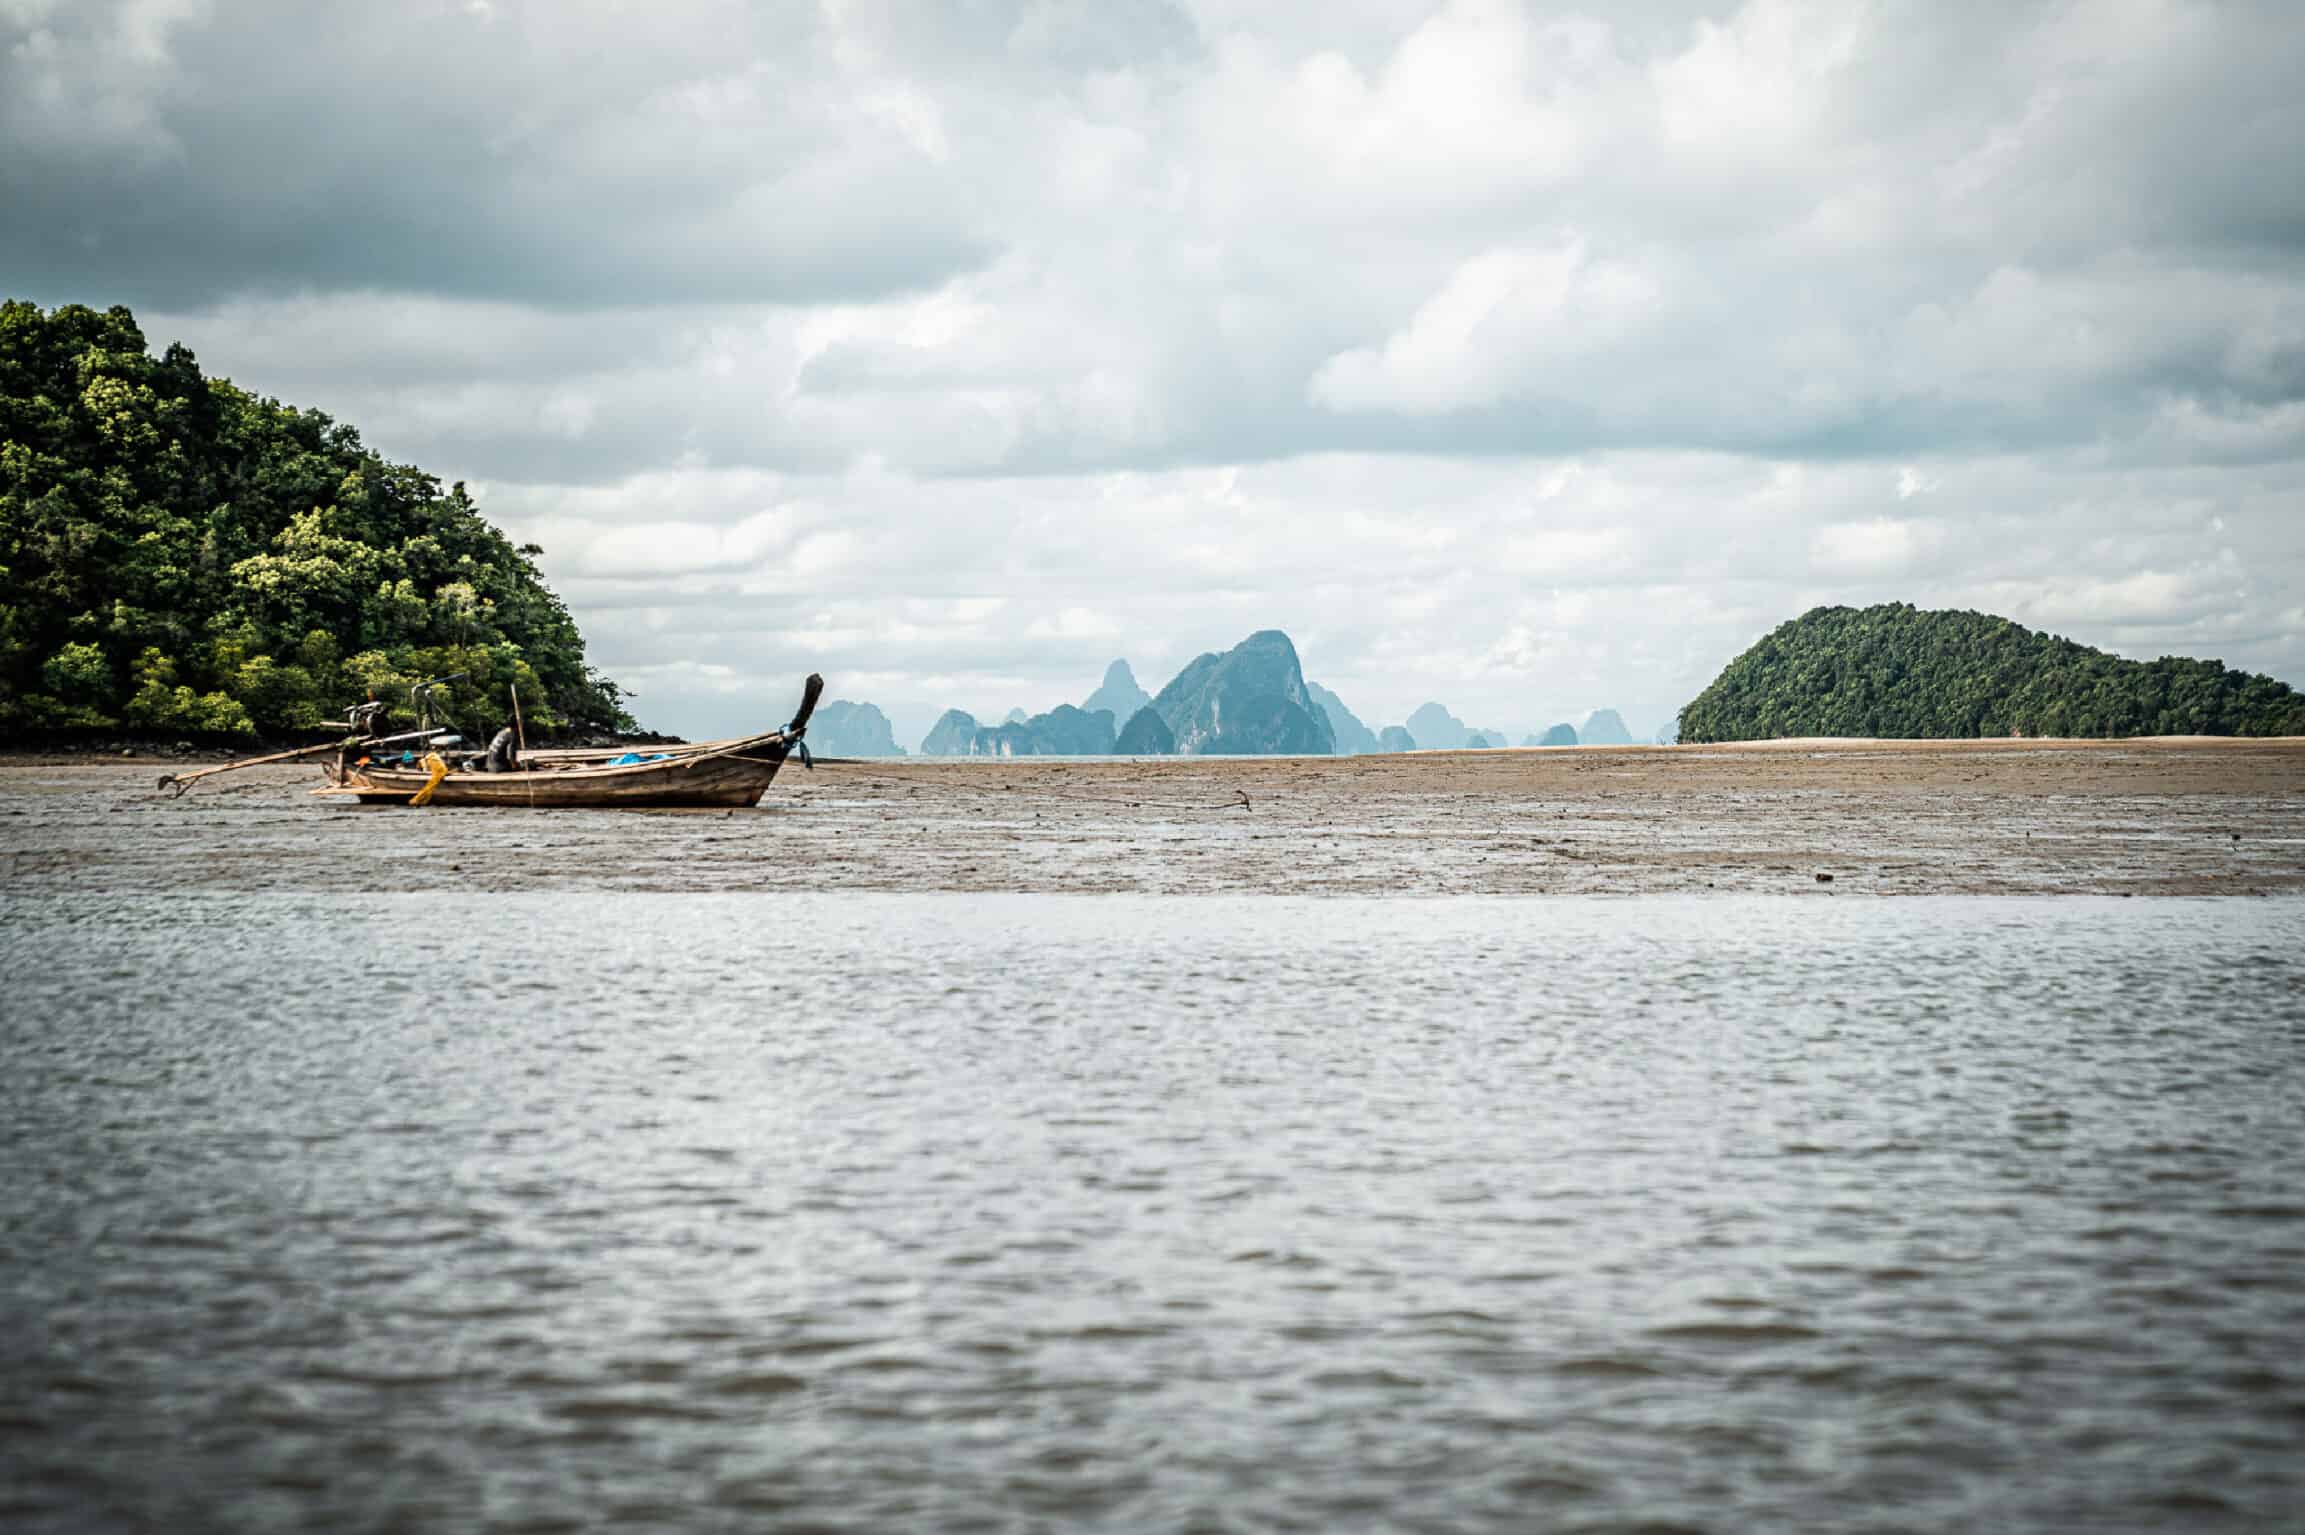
(1436, 729)
(1062, 732)
(1353, 738)
(1253, 699)
(1604, 727)
(1145, 735)
(1250, 700)
(1899, 671)
(1066, 732)
(1118, 695)
(953, 735)
(840, 728)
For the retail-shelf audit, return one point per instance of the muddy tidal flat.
(2154, 817)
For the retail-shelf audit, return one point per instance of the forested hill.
(1896, 671)
(177, 554)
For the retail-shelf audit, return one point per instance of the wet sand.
(2165, 816)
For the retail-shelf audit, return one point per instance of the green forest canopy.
(177, 554)
(1897, 671)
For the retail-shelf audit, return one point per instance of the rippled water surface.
(910, 1212)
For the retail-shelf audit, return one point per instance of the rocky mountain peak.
(1248, 701)
(1118, 693)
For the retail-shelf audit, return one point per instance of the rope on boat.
(435, 769)
(799, 749)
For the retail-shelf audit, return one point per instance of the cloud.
(1882, 546)
(1034, 239)
(573, 155)
(1532, 357)
(89, 85)
(1549, 588)
(1497, 315)
(1075, 623)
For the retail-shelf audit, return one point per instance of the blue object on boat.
(632, 759)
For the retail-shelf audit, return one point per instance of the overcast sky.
(1522, 357)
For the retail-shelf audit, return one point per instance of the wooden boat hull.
(701, 781)
(724, 774)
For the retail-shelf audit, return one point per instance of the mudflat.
(2162, 816)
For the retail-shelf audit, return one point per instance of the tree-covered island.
(1898, 671)
(179, 555)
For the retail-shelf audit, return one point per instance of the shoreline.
(16, 755)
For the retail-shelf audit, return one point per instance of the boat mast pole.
(180, 782)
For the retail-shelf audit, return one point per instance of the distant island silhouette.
(1891, 670)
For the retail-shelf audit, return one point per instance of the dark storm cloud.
(177, 155)
(1201, 236)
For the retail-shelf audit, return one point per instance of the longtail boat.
(714, 773)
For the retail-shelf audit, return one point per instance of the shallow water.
(855, 1211)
